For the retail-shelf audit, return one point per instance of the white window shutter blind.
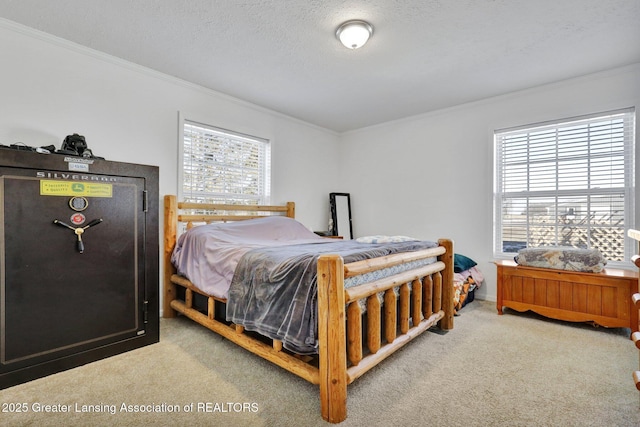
(569, 183)
(220, 166)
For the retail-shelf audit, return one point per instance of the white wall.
(431, 176)
(50, 88)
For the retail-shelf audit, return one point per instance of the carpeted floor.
(511, 370)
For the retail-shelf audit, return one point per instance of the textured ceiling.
(424, 55)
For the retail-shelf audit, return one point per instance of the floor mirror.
(341, 215)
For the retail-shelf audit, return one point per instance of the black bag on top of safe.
(76, 145)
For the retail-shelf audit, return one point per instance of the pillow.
(384, 239)
(462, 263)
(562, 258)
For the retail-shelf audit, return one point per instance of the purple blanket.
(207, 255)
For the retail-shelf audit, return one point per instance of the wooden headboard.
(183, 213)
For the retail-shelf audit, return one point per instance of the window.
(568, 183)
(219, 166)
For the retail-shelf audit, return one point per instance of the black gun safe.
(78, 261)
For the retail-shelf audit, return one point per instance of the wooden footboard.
(602, 298)
(351, 342)
(425, 298)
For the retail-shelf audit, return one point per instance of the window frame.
(628, 168)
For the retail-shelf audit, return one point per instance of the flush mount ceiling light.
(354, 34)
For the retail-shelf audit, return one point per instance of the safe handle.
(55, 221)
(79, 245)
(78, 231)
(92, 223)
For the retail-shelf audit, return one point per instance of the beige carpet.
(511, 370)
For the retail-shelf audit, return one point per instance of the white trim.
(180, 136)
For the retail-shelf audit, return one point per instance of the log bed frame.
(350, 343)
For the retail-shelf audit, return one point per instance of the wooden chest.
(603, 298)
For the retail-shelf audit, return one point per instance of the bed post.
(291, 209)
(446, 322)
(332, 339)
(499, 285)
(170, 232)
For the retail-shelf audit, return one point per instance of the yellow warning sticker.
(71, 188)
